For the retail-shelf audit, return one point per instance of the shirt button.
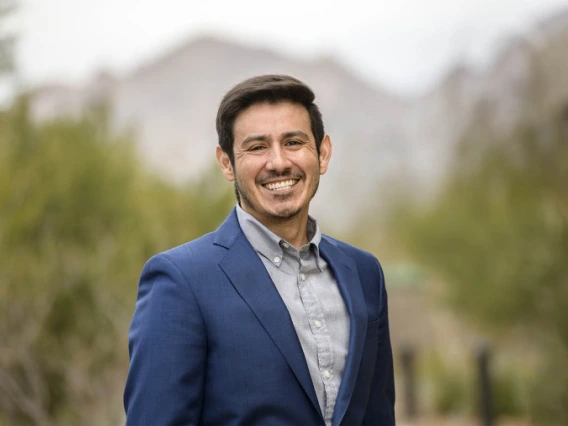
(285, 245)
(302, 277)
(326, 374)
(276, 259)
(317, 323)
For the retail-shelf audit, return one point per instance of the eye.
(294, 142)
(256, 148)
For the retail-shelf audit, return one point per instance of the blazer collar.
(229, 231)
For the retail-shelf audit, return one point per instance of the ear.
(325, 154)
(225, 163)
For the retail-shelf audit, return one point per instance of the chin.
(286, 212)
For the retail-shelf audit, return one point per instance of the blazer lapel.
(345, 272)
(248, 275)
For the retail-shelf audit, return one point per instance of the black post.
(485, 395)
(407, 358)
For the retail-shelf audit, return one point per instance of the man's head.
(273, 146)
(271, 89)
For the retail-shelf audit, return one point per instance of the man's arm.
(168, 345)
(380, 409)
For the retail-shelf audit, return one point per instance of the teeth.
(278, 186)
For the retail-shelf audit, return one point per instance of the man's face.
(276, 164)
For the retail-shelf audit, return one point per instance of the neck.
(294, 229)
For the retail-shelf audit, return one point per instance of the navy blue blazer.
(211, 341)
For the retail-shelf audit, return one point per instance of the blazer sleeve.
(380, 409)
(167, 346)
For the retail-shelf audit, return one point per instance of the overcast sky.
(403, 45)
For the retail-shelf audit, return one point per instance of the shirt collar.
(270, 245)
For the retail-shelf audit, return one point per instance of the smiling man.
(265, 321)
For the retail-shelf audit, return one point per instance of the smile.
(279, 186)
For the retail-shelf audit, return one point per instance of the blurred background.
(450, 130)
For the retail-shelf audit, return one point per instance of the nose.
(277, 159)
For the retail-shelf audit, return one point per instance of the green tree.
(497, 235)
(78, 219)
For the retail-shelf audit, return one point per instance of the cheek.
(245, 173)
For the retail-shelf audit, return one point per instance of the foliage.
(450, 385)
(78, 219)
(510, 391)
(548, 391)
(497, 235)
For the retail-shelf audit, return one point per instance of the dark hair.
(270, 89)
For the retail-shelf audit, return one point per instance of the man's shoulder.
(356, 253)
(205, 251)
(198, 251)
(367, 264)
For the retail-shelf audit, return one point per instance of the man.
(264, 321)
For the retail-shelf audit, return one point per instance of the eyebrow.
(253, 138)
(264, 138)
(294, 134)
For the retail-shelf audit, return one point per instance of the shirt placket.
(318, 327)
